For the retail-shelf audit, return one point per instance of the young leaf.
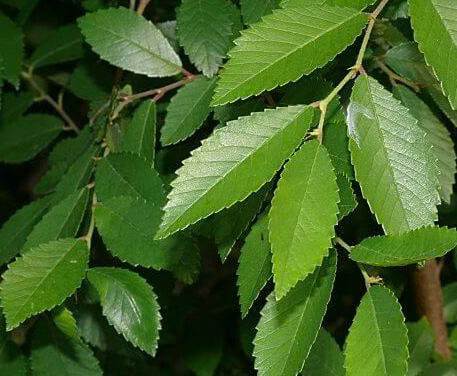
(260, 143)
(348, 201)
(254, 269)
(127, 174)
(204, 31)
(420, 346)
(437, 134)
(302, 216)
(129, 304)
(128, 41)
(64, 44)
(406, 248)
(11, 50)
(393, 159)
(62, 221)
(283, 44)
(289, 327)
(140, 135)
(377, 344)
(434, 20)
(42, 279)
(187, 111)
(253, 10)
(24, 138)
(450, 302)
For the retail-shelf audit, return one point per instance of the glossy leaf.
(253, 10)
(11, 50)
(420, 346)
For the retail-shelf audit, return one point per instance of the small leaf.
(11, 50)
(128, 41)
(302, 216)
(187, 111)
(129, 304)
(377, 344)
(289, 327)
(406, 248)
(260, 143)
(253, 10)
(254, 269)
(140, 135)
(42, 279)
(24, 138)
(420, 346)
(348, 201)
(450, 302)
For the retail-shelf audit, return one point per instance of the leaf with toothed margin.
(356, 4)
(232, 163)
(284, 46)
(288, 328)
(253, 10)
(348, 200)
(303, 216)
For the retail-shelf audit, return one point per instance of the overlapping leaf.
(420, 346)
(253, 10)
(348, 201)
(91, 82)
(249, 150)
(11, 50)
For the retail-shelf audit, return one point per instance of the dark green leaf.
(450, 302)
(420, 346)
(11, 50)
(253, 10)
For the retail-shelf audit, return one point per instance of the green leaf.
(406, 248)
(127, 174)
(356, 4)
(11, 50)
(260, 143)
(440, 99)
(65, 322)
(232, 111)
(24, 138)
(91, 82)
(129, 304)
(62, 45)
(445, 369)
(284, 46)
(377, 343)
(348, 201)
(12, 361)
(289, 327)
(303, 216)
(14, 232)
(253, 10)
(450, 302)
(420, 346)
(62, 221)
(325, 358)
(254, 269)
(42, 279)
(168, 29)
(337, 144)
(14, 105)
(204, 31)
(438, 136)
(187, 111)
(128, 41)
(392, 157)
(140, 135)
(432, 21)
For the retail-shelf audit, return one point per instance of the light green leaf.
(406, 248)
(140, 135)
(254, 269)
(303, 216)
(127, 174)
(253, 10)
(377, 343)
(260, 143)
(168, 29)
(62, 221)
(24, 138)
(393, 159)
(64, 44)
(187, 111)
(42, 279)
(65, 322)
(348, 201)
(289, 327)
(438, 136)
(420, 346)
(204, 30)
(128, 41)
(325, 358)
(337, 144)
(284, 46)
(356, 4)
(11, 50)
(129, 304)
(432, 21)
(450, 302)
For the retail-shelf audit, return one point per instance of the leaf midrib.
(378, 333)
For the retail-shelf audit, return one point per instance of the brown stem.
(429, 301)
(142, 6)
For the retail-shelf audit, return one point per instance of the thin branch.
(142, 6)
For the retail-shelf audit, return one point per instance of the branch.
(142, 6)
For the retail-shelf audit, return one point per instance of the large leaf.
(129, 304)
(438, 136)
(289, 327)
(405, 248)
(284, 46)
(432, 21)
(393, 159)
(377, 344)
(42, 279)
(209, 180)
(64, 44)
(253, 10)
(302, 216)
(254, 269)
(187, 111)
(204, 30)
(128, 41)
(24, 138)
(420, 346)
(11, 50)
